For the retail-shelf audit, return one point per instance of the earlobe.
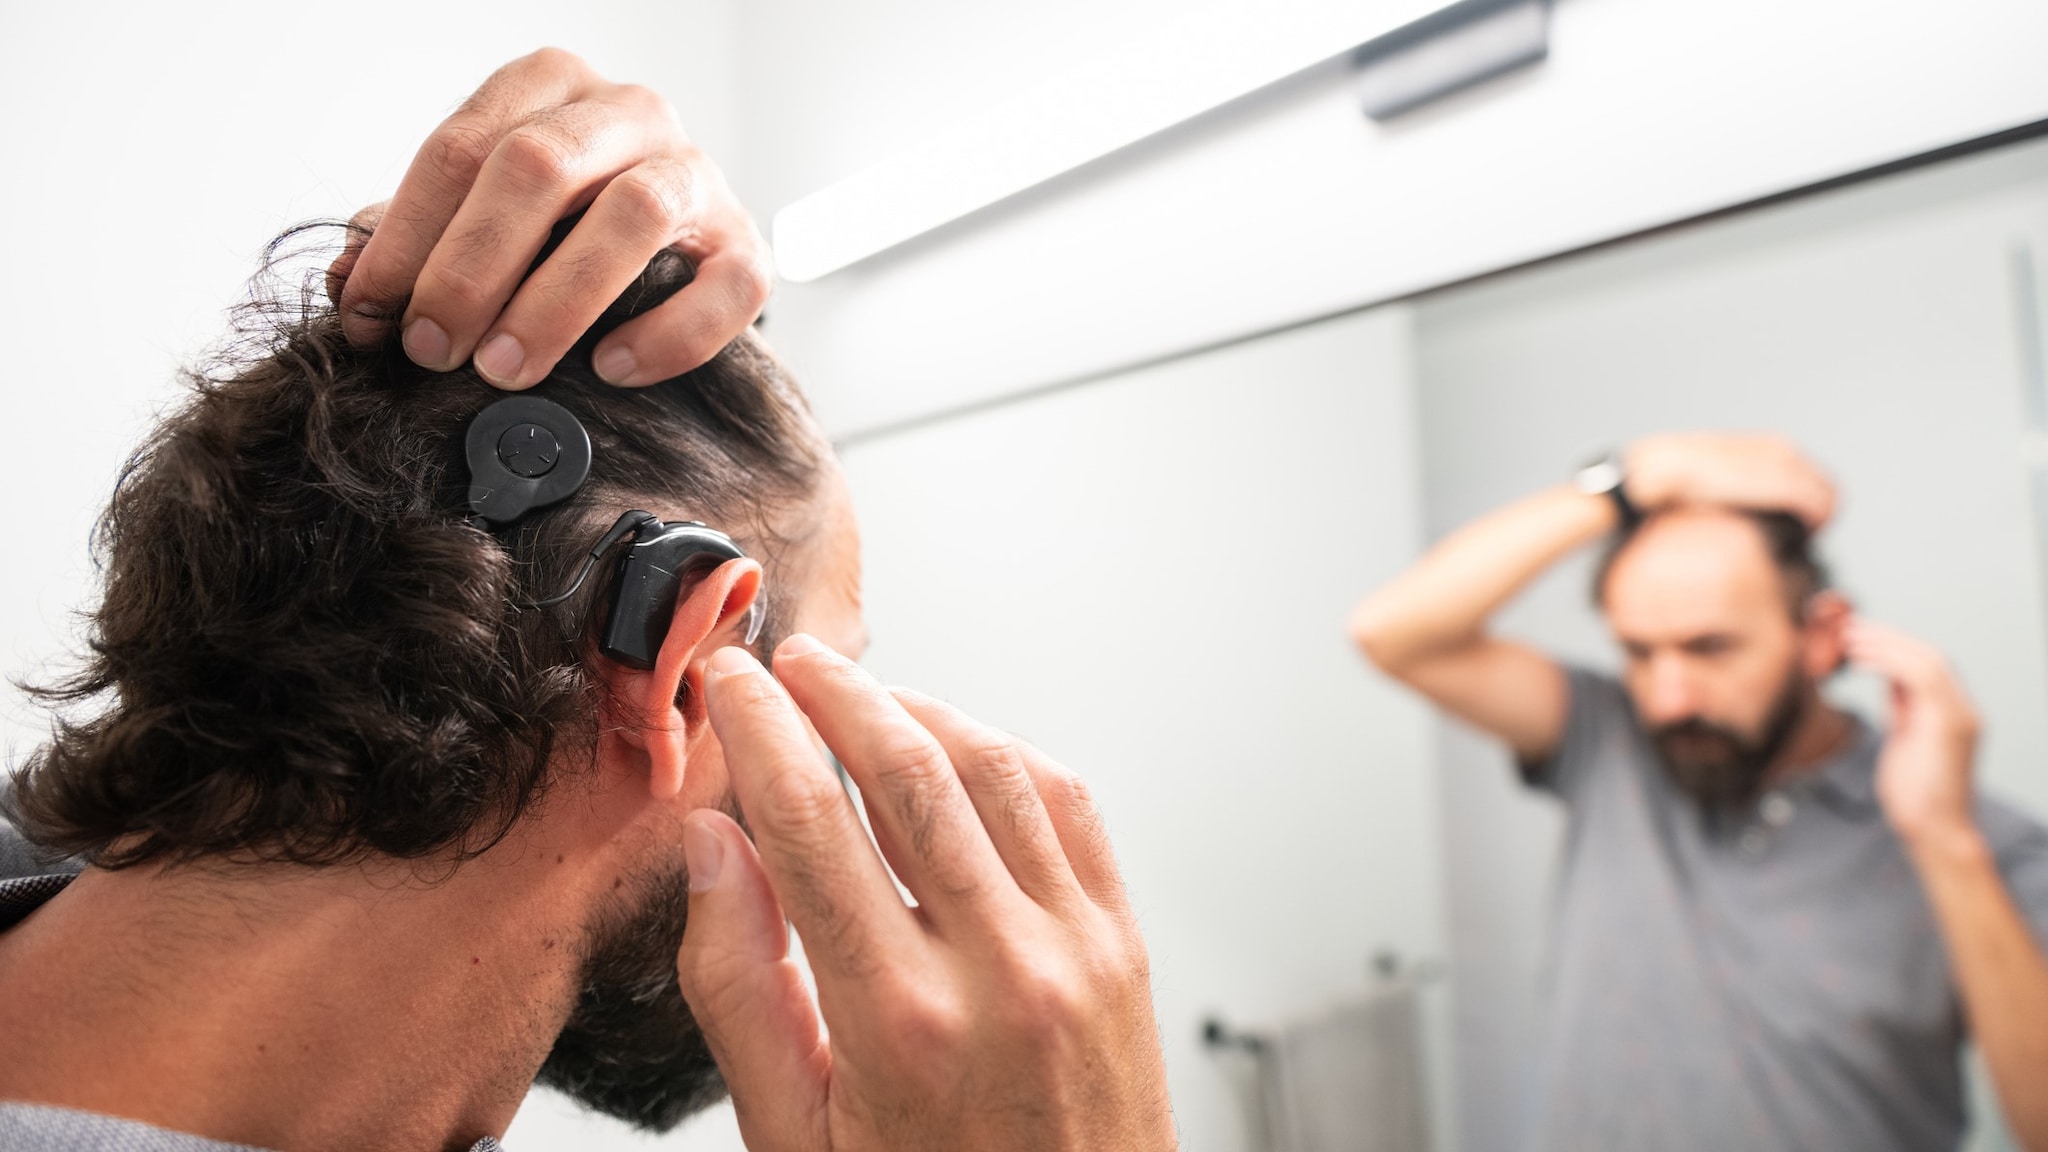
(709, 615)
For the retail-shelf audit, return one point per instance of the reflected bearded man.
(1775, 926)
(355, 824)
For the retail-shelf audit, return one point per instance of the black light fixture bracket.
(1449, 50)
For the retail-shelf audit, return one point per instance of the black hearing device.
(525, 454)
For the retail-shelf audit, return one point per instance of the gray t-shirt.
(1771, 981)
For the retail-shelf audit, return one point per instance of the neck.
(290, 1007)
(1822, 731)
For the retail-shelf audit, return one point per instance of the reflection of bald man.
(1775, 926)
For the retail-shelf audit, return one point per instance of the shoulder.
(1600, 729)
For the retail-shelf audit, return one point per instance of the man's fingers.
(690, 327)
(1895, 654)
(991, 765)
(440, 177)
(1814, 499)
(1918, 671)
(940, 849)
(544, 138)
(542, 171)
(746, 993)
(360, 227)
(635, 216)
(810, 840)
(1082, 833)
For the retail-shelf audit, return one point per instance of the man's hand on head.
(1010, 1009)
(546, 137)
(1756, 473)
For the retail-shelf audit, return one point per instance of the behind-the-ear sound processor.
(526, 453)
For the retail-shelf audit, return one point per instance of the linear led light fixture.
(1210, 58)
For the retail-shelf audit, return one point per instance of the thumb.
(747, 994)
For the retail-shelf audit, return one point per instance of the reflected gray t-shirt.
(1772, 981)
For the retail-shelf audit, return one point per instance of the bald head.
(1714, 553)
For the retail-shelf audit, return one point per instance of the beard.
(631, 1049)
(1721, 766)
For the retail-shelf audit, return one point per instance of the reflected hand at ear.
(1010, 1009)
(1924, 775)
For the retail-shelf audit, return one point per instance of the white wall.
(1147, 578)
(153, 149)
(1878, 326)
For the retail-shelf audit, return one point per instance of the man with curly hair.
(364, 831)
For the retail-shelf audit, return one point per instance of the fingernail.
(501, 358)
(801, 644)
(616, 364)
(426, 344)
(703, 855)
(733, 662)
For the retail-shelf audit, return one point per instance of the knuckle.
(539, 158)
(1044, 996)
(552, 61)
(797, 803)
(753, 280)
(646, 99)
(1072, 794)
(927, 1022)
(995, 762)
(457, 151)
(992, 753)
(909, 759)
(653, 200)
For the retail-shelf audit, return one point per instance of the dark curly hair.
(304, 653)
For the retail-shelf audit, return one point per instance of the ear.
(1824, 634)
(643, 713)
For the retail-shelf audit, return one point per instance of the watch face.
(1595, 479)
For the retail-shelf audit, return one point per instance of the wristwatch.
(1605, 476)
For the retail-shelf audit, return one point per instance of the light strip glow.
(1222, 52)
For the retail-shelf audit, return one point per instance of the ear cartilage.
(650, 580)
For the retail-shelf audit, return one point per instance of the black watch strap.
(1605, 476)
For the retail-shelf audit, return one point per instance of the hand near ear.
(1009, 1010)
(1924, 773)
